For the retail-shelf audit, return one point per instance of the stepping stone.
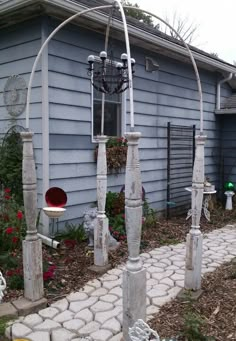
(161, 287)
(116, 272)
(64, 316)
(74, 325)
(177, 277)
(39, 336)
(80, 305)
(145, 255)
(77, 296)
(87, 289)
(89, 328)
(61, 305)
(117, 337)
(154, 269)
(101, 306)
(112, 284)
(152, 310)
(113, 325)
(109, 298)
(19, 330)
(47, 325)
(85, 315)
(48, 313)
(101, 335)
(119, 303)
(94, 283)
(116, 291)
(32, 320)
(62, 335)
(152, 282)
(156, 293)
(102, 317)
(99, 292)
(160, 301)
(108, 277)
(167, 281)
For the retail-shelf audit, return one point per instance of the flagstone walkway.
(95, 312)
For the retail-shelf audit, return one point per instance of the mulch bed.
(72, 264)
(216, 307)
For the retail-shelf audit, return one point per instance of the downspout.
(218, 97)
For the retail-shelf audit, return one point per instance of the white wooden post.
(101, 236)
(134, 276)
(193, 264)
(32, 245)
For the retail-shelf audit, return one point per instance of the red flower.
(70, 243)
(19, 215)
(15, 240)
(7, 197)
(7, 190)
(123, 216)
(9, 230)
(47, 275)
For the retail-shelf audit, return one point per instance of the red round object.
(56, 197)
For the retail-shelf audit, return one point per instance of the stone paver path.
(95, 312)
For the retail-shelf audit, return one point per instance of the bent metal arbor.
(134, 277)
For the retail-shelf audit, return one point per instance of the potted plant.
(116, 152)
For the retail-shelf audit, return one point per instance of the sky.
(216, 32)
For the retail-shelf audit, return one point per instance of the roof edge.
(73, 7)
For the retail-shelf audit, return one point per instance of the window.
(114, 107)
(112, 114)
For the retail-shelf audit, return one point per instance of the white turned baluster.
(134, 276)
(32, 245)
(101, 230)
(193, 264)
(3, 286)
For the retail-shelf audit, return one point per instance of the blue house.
(64, 111)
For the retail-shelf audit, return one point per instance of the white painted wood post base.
(193, 262)
(134, 299)
(134, 276)
(33, 272)
(32, 245)
(101, 238)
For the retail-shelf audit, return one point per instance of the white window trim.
(123, 114)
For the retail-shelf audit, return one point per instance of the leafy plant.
(193, 323)
(117, 227)
(116, 152)
(192, 328)
(115, 204)
(11, 164)
(73, 232)
(150, 215)
(12, 221)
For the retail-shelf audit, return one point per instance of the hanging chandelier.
(108, 76)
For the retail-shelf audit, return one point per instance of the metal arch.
(128, 54)
(191, 57)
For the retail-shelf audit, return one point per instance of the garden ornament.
(142, 332)
(3, 286)
(90, 221)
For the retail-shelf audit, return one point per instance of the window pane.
(112, 114)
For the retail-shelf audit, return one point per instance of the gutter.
(218, 96)
(73, 7)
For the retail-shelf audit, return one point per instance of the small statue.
(3, 286)
(90, 221)
(142, 332)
